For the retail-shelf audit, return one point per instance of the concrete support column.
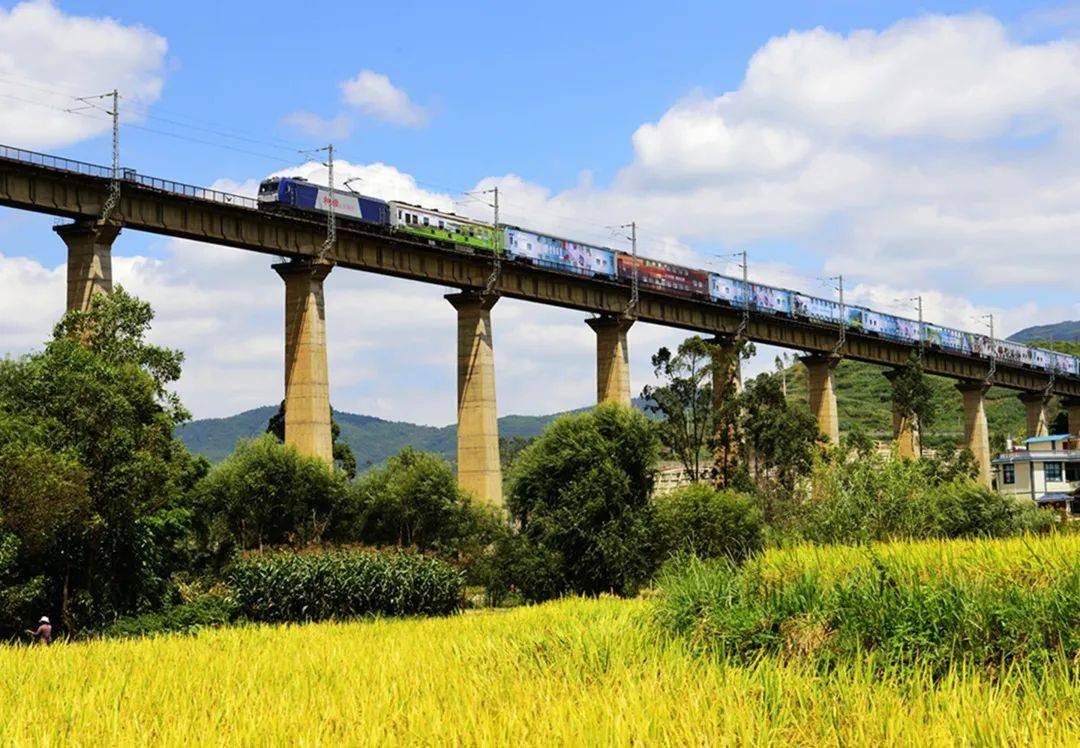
(89, 264)
(905, 429)
(1072, 408)
(822, 394)
(976, 431)
(1038, 417)
(726, 384)
(612, 358)
(307, 382)
(479, 471)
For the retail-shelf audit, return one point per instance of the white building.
(1046, 469)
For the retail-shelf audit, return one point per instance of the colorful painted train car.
(663, 276)
(444, 227)
(560, 254)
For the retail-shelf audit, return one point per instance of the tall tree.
(580, 495)
(684, 400)
(94, 483)
(781, 436)
(913, 395)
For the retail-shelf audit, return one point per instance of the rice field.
(992, 604)
(573, 672)
(1029, 561)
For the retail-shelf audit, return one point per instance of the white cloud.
(330, 128)
(374, 95)
(47, 58)
(955, 77)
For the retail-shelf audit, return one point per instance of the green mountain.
(864, 401)
(372, 439)
(1062, 331)
(863, 398)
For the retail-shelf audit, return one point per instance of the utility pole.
(331, 216)
(922, 336)
(496, 264)
(989, 319)
(634, 295)
(919, 306)
(843, 315)
(113, 199)
(745, 324)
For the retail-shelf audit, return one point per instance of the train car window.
(440, 224)
(426, 221)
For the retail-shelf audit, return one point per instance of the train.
(299, 196)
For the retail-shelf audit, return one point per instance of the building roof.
(1025, 456)
(1047, 498)
(1044, 439)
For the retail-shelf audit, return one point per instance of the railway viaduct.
(79, 191)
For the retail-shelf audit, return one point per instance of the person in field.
(43, 634)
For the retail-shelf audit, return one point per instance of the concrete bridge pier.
(976, 431)
(726, 384)
(478, 467)
(89, 264)
(1072, 408)
(612, 358)
(820, 369)
(905, 428)
(1038, 416)
(307, 382)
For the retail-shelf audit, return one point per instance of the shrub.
(700, 520)
(580, 494)
(267, 493)
(415, 502)
(878, 498)
(965, 508)
(212, 609)
(288, 586)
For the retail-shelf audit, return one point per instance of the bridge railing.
(190, 190)
(54, 162)
(126, 175)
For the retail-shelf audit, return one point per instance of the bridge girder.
(58, 192)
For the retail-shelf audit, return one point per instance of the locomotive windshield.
(268, 186)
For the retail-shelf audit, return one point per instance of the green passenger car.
(445, 227)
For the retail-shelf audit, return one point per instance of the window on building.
(1072, 471)
(426, 221)
(1053, 472)
(1008, 474)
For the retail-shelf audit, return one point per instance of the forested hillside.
(373, 440)
(1068, 331)
(863, 398)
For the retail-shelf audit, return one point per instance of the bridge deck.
(75, 190)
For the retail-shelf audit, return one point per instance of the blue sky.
(718, 126)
